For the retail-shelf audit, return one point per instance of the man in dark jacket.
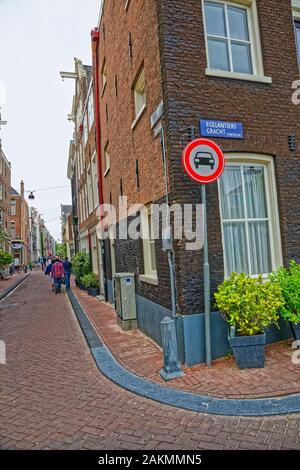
(68, 270)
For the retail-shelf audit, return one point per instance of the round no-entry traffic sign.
(203, 161)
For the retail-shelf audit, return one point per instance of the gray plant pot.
(93, 291)
(296, 330)
(249, 351)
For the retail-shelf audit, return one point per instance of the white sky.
(38, 39)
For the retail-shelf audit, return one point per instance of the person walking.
(48, 272)
(57, 272)
(68, 271)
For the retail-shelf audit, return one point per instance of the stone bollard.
(171, 367)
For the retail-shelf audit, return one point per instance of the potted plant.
(289, 282)
(81, 265)
(5, 260)
(249, 305)
(91, 283)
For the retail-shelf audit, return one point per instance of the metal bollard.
(171, 367)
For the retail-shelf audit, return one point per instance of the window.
(1, 190)
(112, 251)
(297, 32)
(90, 192)
(232, 39)
(150, 269)
(107, 160)
(104, 78)
(13, 207)
(13, 230)
(91, 108)
(139, 95)
(85, 130)
(249, 213)
(95, 181)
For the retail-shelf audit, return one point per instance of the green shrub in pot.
(249, 305)
(289, 282)
(90, 281)
(81, 265)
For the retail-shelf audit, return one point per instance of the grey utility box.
(125, 296)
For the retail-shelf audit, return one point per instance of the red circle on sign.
(191, 172)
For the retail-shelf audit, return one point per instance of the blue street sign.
(221, 129)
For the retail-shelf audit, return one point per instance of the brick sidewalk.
(52, 395)
(224, 380)
(5, 284)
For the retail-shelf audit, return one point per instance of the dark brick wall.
(126, 145)
(129, 258)
(175, 70)
(266, 111)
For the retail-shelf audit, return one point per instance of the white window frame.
(296, 17)
(90, 107)
(150, 275)
(267, 162)
(85, 129)
(106, 160)
(13, 204)
(90, 190)
(140, 97)
(255, 44)
(112, 242)
(13, 228)
(95, 181)
(1, 191)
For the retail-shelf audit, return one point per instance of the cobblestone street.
(53, 396)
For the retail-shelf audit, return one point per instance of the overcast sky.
(38, 39)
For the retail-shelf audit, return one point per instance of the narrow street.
(53, 396)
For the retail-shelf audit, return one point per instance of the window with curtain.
(246, 221)
(150, 268)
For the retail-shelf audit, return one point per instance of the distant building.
(19, 226)
(83, 170)
(5, 187)
(67, 229)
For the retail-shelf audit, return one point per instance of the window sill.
(138, 117)
(238, 76)
(149, 279)
(106, 171)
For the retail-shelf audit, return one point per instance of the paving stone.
(53, 396)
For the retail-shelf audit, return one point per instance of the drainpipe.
(95, 47)
(170, 253)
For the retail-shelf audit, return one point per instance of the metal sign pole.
(206, 280)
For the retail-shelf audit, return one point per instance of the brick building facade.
(83, 170)
(20, 226)
(5, 186)
(217, 60)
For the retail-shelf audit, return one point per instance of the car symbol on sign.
(204, 158)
